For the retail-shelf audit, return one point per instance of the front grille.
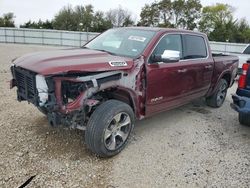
(26, 85)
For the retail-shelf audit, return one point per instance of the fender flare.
(213, 88)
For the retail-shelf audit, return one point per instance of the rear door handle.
(182, 70)
(208, 66)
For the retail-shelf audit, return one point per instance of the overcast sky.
(26, 10)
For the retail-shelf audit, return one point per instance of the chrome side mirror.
(168, 56)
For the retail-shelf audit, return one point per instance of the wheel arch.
(225, 75)
(124, 95)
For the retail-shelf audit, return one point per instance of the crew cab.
(241, 100)
(123, 75)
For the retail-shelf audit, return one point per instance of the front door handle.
(182, 70)
(208, 66)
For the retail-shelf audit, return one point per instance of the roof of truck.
(161, 29)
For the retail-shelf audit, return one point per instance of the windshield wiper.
(111, 53)
(84, 47)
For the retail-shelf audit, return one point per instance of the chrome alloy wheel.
(117, 131)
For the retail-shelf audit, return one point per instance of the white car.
(243, 57)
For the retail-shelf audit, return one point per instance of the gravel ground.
(192, 146)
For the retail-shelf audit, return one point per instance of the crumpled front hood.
(72, 60)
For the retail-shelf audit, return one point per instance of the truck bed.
(227, 60)
(222, 63)
(242, 57)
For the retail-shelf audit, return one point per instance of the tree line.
(217, 20)
(78, 18)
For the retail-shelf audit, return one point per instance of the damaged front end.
(73, 98)
(66, 100)
(69, 99)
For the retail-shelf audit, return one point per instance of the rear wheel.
(244, 119)
(218, 98)
(109, 128)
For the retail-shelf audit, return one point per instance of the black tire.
(244, 119)
(103, 122)
(219, 96)
(43, 110)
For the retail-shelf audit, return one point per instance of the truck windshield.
(122, 41)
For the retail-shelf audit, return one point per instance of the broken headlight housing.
(42, 89)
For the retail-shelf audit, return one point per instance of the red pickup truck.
(122, 75)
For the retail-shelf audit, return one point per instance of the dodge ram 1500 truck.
(122, 75)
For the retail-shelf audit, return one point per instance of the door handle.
(208, 66)
(182, 70)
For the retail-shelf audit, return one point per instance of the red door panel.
(197, 77)
(164, 86)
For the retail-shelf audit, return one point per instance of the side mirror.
(168, 56)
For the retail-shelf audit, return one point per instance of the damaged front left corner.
(75, 96)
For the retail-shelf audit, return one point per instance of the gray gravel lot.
(192, 146)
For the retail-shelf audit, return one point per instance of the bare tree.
(119, 17)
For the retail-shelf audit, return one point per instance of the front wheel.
(109, 128)
(244, 119)
(218, 98)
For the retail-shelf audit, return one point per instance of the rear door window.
(194, 47)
